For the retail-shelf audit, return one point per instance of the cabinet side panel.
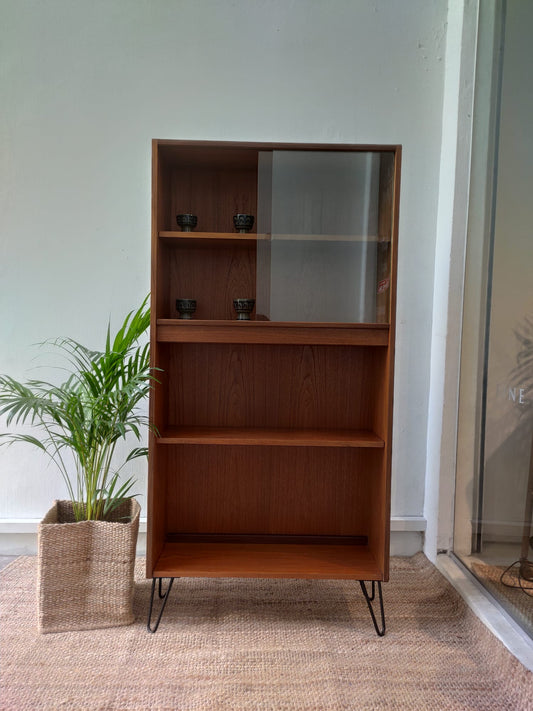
(382, 426)
(385, 215)
(156, 471)
(156, 529)
(380, 393)
(379, 528)
(380, 538)
(156, 485)
(160, 200)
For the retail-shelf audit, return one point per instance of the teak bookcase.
(272, 450)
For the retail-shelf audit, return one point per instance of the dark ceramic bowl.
(187, 222)
(186, 307)
(244, 308)
(243, 223)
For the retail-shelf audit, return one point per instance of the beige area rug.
(265, 645)
(518, 602)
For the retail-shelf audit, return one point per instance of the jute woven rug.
(265, 645)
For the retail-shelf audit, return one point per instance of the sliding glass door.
(495, 444)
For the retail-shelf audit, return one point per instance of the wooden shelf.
(212, 238)
(267, 560)
(199, 331)
(270, 437)
(326, 238)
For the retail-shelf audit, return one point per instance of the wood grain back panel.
(214, 276)
(276, 386)
(270, 490)
(214, 194)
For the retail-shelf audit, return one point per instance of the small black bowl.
(187, 222)
(186, 307)
(244, 308)
(243, 223)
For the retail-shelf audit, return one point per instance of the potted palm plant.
(86, 545)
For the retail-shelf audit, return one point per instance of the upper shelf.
(289, 332)
(211, 238)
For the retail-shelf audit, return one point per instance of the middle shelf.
(270, 437)
(229, 238)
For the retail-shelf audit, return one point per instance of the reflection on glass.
(327, 225)
(495, 470)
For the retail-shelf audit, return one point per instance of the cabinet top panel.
(197, 147)
(244, 155)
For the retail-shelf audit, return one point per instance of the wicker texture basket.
(85, 571)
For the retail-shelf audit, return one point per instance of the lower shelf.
(272, 437)
(266, 560)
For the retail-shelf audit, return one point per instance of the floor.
(6, 560)
(498, 556)
(487, 608)
(290, 644)
(513, 638)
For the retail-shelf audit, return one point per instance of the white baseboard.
(19, 536)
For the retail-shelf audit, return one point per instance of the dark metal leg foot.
(162, 596)
(380, 630)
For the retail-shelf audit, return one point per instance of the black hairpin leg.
(162, 596)
(369, 600)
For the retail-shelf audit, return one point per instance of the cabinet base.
(217, 559)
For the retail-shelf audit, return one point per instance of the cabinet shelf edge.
(196, 331)
(190, 238)
(254, 436)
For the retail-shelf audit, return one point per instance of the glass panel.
(326, 252)
(495, 488)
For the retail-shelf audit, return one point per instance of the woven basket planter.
(85, 572)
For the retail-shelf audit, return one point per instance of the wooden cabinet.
(273, 445)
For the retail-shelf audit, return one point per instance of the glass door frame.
(479, 258)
